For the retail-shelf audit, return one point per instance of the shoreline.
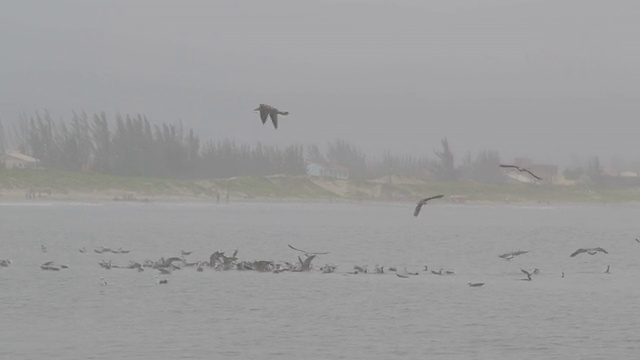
(57, 186)
(107, 197)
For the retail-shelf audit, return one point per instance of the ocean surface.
(68, 314)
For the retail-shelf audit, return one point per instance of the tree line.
(133, 146)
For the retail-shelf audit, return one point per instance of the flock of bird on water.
(219, 261)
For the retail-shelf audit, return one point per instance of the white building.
(18, 160)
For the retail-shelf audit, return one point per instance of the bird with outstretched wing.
(591, 251)
(521, 169)
(423, 202)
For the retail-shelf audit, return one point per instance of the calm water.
(218, 315)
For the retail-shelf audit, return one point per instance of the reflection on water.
(68, 314)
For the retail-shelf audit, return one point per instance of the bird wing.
(302, 251)
(306, 252)
(601, 250)
(508, 166)
(307, 262)
(418, 207)
(526, 272)
(532, 174)
(433, 197)
(274, 118)
(579, 251)
(263, 115)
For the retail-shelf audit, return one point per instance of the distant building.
(333, 171)
(18, 160)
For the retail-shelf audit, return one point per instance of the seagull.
(608, 268)
(306, 264)
(591, 251)
(307, 252)
(511, 255)
(423, 202)
(476, 284)
(270, 111)
(521, 169)
(526, 273)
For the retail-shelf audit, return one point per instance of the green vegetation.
(76, 185)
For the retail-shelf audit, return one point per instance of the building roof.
(19, 156)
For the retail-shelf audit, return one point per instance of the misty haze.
(331, 179)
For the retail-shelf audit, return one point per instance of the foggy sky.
(550, 80)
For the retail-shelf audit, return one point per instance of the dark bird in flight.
(526, 273)
(270, 111)
(608, 268)
(521, 169)
(476, 284)
(511, 255)
(591, 251)
(307, 252)
(424, 202)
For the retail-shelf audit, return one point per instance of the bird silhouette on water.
(270, 111)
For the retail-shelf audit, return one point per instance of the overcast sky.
(550, 80)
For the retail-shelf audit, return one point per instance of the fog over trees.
(134, 146)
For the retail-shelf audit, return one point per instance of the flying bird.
(423, 202)
(307, 252)
(521, 169)
(526, 273)
(608, 268)
(511, 255)
(476, 284)
(591, 251)
(270, 111)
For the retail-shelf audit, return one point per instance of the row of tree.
(133, 146)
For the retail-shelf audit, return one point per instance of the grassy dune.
(76, 186)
